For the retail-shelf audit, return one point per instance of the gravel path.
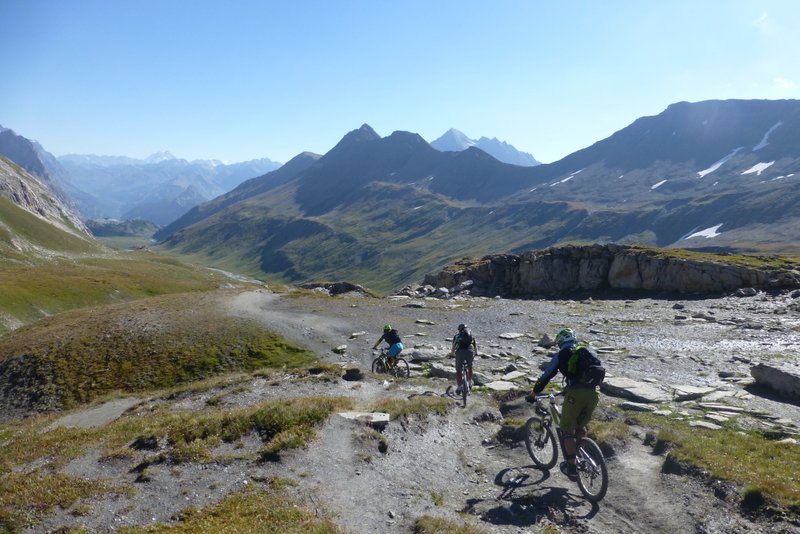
(452, 466)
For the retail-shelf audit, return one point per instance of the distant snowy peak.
(455, 141)
(159, 157)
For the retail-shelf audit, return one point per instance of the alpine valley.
(385, 211)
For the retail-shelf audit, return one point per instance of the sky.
(236, 80)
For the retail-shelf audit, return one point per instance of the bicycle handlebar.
(549, 395)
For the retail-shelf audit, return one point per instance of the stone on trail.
(617, 386)
(501, 385)
(637, 406)
(341, 349)
(371, 418)
(546, 341)
(511, 335)
(426, 355)
(513, 375)
(685, 393)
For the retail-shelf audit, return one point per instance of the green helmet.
(566, 336)
(387, 327)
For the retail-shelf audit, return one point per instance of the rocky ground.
(454, 466)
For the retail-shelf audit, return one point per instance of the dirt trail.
(449, 466)
(446, 459)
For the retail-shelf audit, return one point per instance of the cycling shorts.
(395, 349)
(462, 355)
(578, 407)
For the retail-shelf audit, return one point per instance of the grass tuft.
(435, 525)
(267, 510)
(420, 406)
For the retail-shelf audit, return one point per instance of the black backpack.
(464, 339)
(585, 368)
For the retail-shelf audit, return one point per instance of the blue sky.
(238, 80)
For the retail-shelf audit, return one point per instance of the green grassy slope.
(77, 356)
(24, 235)
(30, 291)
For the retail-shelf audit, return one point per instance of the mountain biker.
(392, 338)
(580, 399)
(463, 349)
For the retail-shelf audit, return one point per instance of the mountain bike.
(540, 440)
(466, 388)
(398, 369)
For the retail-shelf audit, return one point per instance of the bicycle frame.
(592, 474)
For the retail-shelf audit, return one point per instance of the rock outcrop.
(782, 379)
(568, 269)
(34, 196)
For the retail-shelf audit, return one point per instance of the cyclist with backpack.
(583, 372)
(392, 338)
(464, 348)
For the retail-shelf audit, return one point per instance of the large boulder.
(782, 379)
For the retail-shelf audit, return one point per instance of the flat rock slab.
(685, 393)
(371, 418)
(97, 416)
(618, 386)
(501, 385)
(427, 355)
(513, 375)
(511, 335)
(637, 406)
(719, 407)
(704, 424)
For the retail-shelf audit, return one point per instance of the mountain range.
(385, 211)
(158, 188)
(455, 141)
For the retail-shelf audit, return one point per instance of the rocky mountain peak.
(456, 141)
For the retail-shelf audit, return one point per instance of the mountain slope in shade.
(455, 141)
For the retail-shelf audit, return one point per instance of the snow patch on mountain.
(657, 185)
(758, 168)
(765, 140)
(719, 163)
(708, 233)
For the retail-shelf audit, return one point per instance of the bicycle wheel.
(464, 392)
(592, 471)
(378, 365)
(541, 442)
(401, 369)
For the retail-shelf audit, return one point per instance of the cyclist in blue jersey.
(392, 338)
